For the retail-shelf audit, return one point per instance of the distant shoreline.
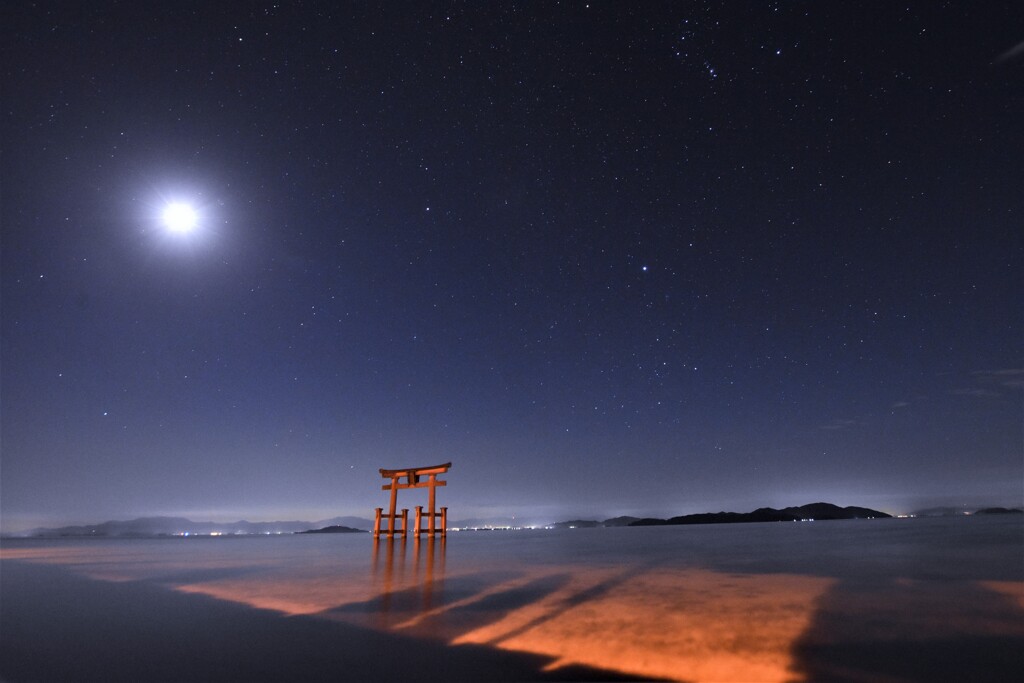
(803, 513)
(166, 527)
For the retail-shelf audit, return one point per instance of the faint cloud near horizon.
(979, 393)
(1010, 377)
(1014, 52)
(839, 423)
(993, 383)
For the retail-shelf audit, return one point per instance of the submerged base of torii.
(415, 478)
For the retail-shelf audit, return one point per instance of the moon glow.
(179, 218)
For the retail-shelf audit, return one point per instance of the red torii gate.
(413, 480)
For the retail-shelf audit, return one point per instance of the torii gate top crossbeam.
(412, 476)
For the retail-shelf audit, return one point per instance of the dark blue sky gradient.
(606, 259)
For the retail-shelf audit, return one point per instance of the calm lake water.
(862, 600)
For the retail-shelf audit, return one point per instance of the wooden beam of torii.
(414, 479)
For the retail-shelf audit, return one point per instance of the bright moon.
(179, 217)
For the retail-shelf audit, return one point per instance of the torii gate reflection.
(405, 599)
(413, 480)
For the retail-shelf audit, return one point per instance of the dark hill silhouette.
(619, 521)
(830, 511)
(815, 511)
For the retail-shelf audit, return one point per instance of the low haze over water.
(859, 600)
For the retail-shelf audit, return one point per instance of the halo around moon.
(180, 218)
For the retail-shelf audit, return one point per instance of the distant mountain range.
(146, 527)
(999, 511)
(591, 523)
(960, 511)
(489, 522)
(149, 527)
(815, 511)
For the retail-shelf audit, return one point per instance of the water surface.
(899, 599)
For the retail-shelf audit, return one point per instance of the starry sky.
(607, 258)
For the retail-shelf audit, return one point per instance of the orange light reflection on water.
(649, 620)
(690, 624)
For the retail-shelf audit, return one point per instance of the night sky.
(607, 258)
